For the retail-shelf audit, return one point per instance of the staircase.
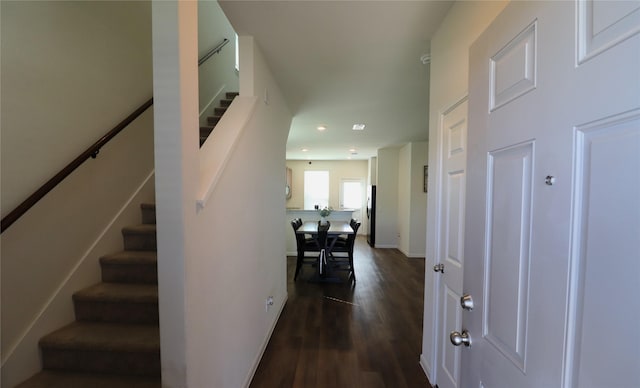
(115, 340)
(205, 131)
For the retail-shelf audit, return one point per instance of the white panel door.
(552, 231)
(450, 250)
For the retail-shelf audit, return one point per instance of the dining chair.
(321, 244)
(308, 239)
(343, 237)
(304, 244)
(346, 246)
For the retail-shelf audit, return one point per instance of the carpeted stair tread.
(204, 134)
(104, 337)
(140, 237)
(130, 267)
(140, 229)
(206, 130)
(130, 257)
(213, 120)
(111, 348)
(119, 292)
(115, 341)
(117, 303)
(58, 379)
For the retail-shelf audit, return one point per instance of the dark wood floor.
(342, 335)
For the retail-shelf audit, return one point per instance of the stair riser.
(116, 328)
(148, 215)
(139, 242)
(205, 131)
(132, 273)
(100, 361)
(117, 312)
(212, 121)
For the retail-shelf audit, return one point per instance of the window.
(351, 193)
(237, 54)
(316, 189)
(351, 196)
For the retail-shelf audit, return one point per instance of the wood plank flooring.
(343, 335)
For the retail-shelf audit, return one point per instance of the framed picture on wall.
(426, 178)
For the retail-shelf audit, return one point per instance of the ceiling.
(340, 63)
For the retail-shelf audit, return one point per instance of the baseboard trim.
(425, 369)
(390, 246)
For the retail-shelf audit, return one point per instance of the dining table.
(336, 229)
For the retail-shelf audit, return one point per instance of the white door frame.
(432, 297)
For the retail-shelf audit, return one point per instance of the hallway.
(339, 335)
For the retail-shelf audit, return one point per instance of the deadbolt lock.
(466, 301)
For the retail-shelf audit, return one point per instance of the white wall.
(70, 72)
(218, 265)
(387, 198)
(449, 76)
(217, 75)
(372, 173)
(61, 91)
(419, 158)
(338, 170)
(418, 198)
(404, 198)
(412, 200)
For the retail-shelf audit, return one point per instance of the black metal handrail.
(91, 152)
(214, 50)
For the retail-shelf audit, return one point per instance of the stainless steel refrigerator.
(371, 215)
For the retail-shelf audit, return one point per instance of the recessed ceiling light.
(358, 127)
(304, 149)
(321, 127)
(352, 150)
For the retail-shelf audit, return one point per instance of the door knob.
(458, 339)
(466, 301)
(438, 268)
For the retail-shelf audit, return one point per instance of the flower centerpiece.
(324, 213)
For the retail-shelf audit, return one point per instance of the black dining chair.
(308, 238)
(345, 245)
(343, 237)
(306, 243)
(321, 239)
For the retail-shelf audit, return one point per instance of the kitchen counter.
(310, 215)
